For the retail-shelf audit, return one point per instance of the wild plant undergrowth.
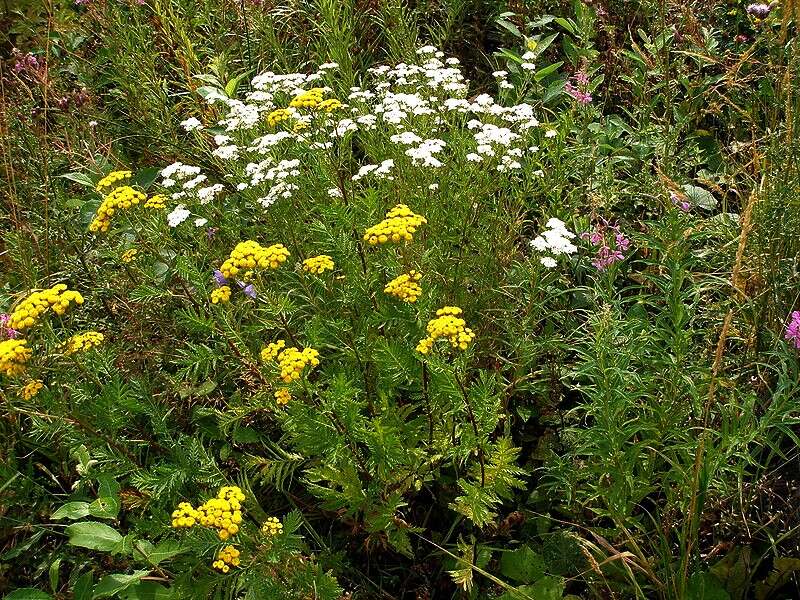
(295, 309)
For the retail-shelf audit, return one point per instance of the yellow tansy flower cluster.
(156, 202)
(221, 295)
(227, 556)
(406, 286)
(449, 325)
(31, 389)
(83, 341)
(272, 526)
(58, 298)
(129, 255)
(278, 115)
(308, 99)
(184, 516)
(272, 350)
(250, 254)
(292, 362)
(329, 105)
(282, 396)
(399, 225)
(112, 179)
(119, 198)
(14, 354)
(224, 513)
(318, 264)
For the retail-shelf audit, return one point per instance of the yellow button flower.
(399, 225)
(112, 179)
(405, 287)
(14, 354)
(448, 325)
(318, 264)
(221, 295)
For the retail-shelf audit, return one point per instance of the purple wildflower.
(211, 233)
(578, 87)
(759, 10)
(611, 243)
(219, 277)
(5, 330)
(248, 289)
(680, 201)
(793, 329)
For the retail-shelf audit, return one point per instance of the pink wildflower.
(793, 329)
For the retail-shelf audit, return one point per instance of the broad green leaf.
(28, 594)
(704, 586)
(105, 508)
(548, 70)
(80, 178)
(147, 590)
(53, 574)
(157, 554)
(522, 565)
(83, 587)
(72, 511)
(700, 197)
(782, 569)
(145, 177)
(95, 536)
(114, 584)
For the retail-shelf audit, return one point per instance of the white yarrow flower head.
(554, 241)
(548, 261)
(199, 222)
(178, 215)
(191, 124)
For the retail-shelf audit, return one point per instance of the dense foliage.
(381, 299)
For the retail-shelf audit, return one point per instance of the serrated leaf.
(71, 510)
(95, 536)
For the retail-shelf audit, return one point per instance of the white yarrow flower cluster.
(555, 240)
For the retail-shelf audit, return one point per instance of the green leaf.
(233, 85)
(28, 594)
(546, 588)
(80, 178)
(53, 574)
(71, 511)
(83, 587)
(145, 178)
(704, 586)
(548, 70)
(114, 584)
(105, 508)
(147, 590)
(157, 554)
(782, 569)
(700, 197)
(95, 536)
(510, 27)
(522, 565)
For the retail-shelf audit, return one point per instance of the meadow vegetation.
(400, 299)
